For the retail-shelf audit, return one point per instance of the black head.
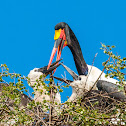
(60, 25)
(64, 36)
(69, 35)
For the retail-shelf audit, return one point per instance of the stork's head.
(62, 39)
(34, 75)
(37, 72)
(64, 36)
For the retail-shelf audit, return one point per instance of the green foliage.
(81, 112)
(84, 116)
(10, 98)
(116, 65)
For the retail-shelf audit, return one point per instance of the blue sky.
(27, 32)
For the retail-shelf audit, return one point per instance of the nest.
(95, 100)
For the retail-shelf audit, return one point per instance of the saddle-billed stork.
(88, 74)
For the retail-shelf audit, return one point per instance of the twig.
(96, 80)
(91, 68)
(50, 111)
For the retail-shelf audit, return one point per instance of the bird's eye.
(35, 70)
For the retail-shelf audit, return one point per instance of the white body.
(86, 82)
(34, 75)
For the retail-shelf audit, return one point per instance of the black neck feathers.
(74, 46)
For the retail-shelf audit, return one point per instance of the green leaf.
(113, 46)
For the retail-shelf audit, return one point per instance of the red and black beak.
(52, 67)
(60, 43)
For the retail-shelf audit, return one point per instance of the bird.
(40, 91)
(24, 99)
(88, 74)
